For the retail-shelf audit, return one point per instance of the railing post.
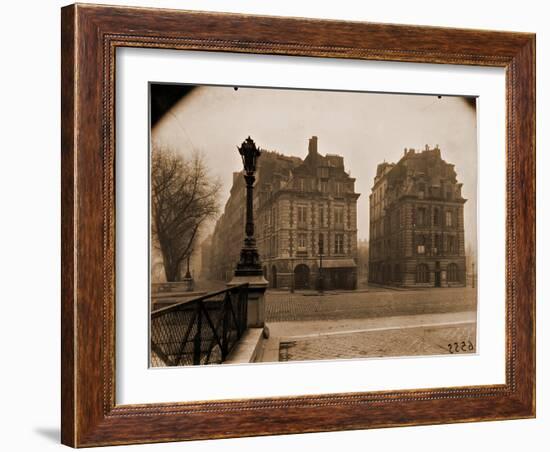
(255, 309)
(197, 338)
(225, 323)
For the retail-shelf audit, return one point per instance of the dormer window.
(421, 190)
(323, 172)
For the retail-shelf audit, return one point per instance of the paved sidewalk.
(410, 335)
(410, 341)
(376, 322)
(316, 328)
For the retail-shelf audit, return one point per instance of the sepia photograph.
(300, 225)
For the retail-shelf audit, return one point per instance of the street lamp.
(291, 275)
(321, 282)
(188, 279)
(187, 273)
(249, 263)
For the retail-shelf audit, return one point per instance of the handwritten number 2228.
(460, 347)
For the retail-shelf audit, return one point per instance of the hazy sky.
(365, 128)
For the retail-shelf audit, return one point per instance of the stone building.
(228, 235)
(305, 222)
(416, 236)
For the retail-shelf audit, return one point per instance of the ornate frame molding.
(90, 37)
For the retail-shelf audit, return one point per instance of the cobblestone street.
(378, 322)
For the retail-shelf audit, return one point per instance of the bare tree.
(183, 197)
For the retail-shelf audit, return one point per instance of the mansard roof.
(415, 169)
(427, 164)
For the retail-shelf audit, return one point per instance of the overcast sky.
(365, 128)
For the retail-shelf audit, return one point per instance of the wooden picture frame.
(90, 36)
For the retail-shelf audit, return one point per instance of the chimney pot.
(312, 148)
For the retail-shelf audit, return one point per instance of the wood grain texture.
(90, 36)
(68, 332)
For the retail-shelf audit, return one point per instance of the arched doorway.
(274, 277)
(422, 273)
(452, 273)
(397, 273)
(387, 273)
(301, 277)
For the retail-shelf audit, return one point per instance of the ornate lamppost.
(321, 282)
(188, 279)
(291, 274)
(249, 263)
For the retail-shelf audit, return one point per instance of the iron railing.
(202, 330)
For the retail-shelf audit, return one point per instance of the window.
(421, 216)
(438, 242)
(321, 215)
(421, 190)
(339, 244)
(422, 273)
(302, 241)
(421, 244)
(339, 188)
(302, 215)
(302, 184)
(448, 218)
(451, 245)
(339, 216)
(436, 217)
(273, 246)
(324, 186)
(321, 244)
(452, 273)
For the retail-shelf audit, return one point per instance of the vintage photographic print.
(298, 225)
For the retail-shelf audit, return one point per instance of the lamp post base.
(189, 284)
(249, 263)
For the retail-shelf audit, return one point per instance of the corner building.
(416, 235)
(305, 214)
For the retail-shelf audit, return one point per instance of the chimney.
(312, 147)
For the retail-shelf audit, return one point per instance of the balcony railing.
(202, 330)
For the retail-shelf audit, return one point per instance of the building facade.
(416, 235)
(228, 235)
(305, 214)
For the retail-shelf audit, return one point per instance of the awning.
(337, 263)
